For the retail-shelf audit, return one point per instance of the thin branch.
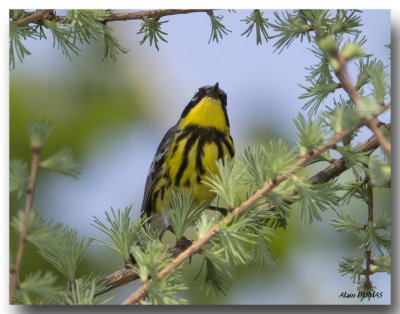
(372, 124)
(118, 278)
(370, 203)
(348, 86)
(126, 275)
(35, 164)
(125, 16)
(37, 16)
(344, 78)
(198, 244)
(140, 15)
(339, 166)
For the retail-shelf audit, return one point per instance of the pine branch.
(198, 244)
(339, 166)
(126, 275)
(343, 76)
(90, 25)
(139, 15)
(118, 278)
(35, 164)
(367, 284)
(218, 30)
(382, 140)
(37, 16)
(260, 23)
(151, 14)
(38, 133)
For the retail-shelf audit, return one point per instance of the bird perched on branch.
(188, 152)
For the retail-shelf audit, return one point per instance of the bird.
(188, 153)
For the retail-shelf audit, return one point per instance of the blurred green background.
(113, 115)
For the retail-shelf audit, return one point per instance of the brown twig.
(140, 15)
(370, 203)
(125, 16)
(198, 244)
(35, 164)
(373, 125)
(344, 78)
(118, 278)
(34, 17)
(351, 89)
(126, 275)
(339, 166)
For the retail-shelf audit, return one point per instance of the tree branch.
(368, 262)
(35, 164)
(344, 78)
(198, 244)
(348, 86)
(34, 17)
(372, 124)
(139, 15)
(118, 278)
(339, 166)
(126, 275)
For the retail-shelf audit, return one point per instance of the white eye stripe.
(196, 95)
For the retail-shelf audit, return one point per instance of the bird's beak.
(214, 93)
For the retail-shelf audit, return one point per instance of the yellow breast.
(203, 139)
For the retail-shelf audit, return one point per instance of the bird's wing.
(156, 169)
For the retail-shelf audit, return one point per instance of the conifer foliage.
(260, 189)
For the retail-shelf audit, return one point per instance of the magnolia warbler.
(187, 152)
